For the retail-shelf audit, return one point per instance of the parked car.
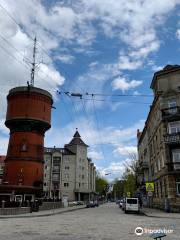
(118, 201)
(80, 203)
(131, 205)
(92, 204)
(75, 203)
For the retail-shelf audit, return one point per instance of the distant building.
(68, 172)
(159, 142)
(2, 163)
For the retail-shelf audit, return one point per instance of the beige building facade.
(68, 172)
(159, 142)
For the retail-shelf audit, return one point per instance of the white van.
(131, 205)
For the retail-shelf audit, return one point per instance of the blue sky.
(106, 47)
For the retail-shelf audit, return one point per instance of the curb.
(155, 216)
(42, 215)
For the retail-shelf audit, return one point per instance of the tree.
(129, 175)
(101, 185)
(129, 178)
(118, 189)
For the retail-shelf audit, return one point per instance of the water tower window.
(24, 147)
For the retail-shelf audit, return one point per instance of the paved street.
(107, 222)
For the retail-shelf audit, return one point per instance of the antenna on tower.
(33, 63)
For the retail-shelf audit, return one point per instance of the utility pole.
(33, 63)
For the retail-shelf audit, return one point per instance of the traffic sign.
(128, 194)
(150, 187)
(150, 194)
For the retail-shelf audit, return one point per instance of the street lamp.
(107, 174)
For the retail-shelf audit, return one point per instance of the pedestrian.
(140, 202)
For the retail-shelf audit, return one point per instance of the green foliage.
(101, 185)
(129, 175)
(118, 189)
(129, 182)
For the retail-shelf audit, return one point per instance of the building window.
(66, 176)
(157, 187)
(176, 158)
(66, 167)
(172, 105)
(178, 186)
(56, 168)
(155, 167)
(66, 184)
(165, 190)
(57, 160)
(24, 147)
(152, 170)
(82, 176)
(162, 160)
(160, 185)
(159, 164)
(48, 158)
(55, 177)
(174, 127)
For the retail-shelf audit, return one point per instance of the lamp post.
(106, 174)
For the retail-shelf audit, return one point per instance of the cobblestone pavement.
(106, 222)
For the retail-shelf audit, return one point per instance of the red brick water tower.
(28, 118)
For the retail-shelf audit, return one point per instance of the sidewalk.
(151, 212)
(44, 213)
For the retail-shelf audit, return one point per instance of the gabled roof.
(77, 140)
(167, 69)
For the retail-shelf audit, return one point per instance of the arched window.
(24, 147)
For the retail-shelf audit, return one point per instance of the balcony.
(173, 167)
(172, 138)
(172, 113)
(144, 165)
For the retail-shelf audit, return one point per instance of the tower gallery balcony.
(172, 113)
(173, 138)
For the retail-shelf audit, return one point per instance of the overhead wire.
(98, 128)
(88, 94)
(15, 58)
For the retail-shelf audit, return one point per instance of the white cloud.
(123, 84)
(114, 170)
(178, 34)
(128, 63)
(97, 76)
(113, 136)
(3, 128)
(3, 145)
(14, 71)
(66, 58)
(133, 22)
(95, 155)
(125, 150)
